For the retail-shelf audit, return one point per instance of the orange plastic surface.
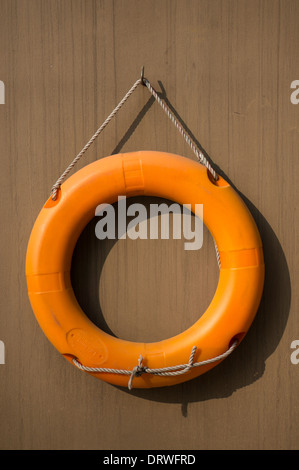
(173, 177)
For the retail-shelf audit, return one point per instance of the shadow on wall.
(247, 363)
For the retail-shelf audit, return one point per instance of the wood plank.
(225, 67)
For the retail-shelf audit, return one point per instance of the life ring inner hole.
(144, 289)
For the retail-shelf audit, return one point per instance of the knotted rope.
(163, 371)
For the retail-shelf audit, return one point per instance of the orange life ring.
(173, 177)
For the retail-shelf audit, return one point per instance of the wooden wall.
(225, 68)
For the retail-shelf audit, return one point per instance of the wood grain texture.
(225, 68)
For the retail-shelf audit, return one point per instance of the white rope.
(217, 254)
(200, 156)
(164, 371)
(60, 180)
(145, 82)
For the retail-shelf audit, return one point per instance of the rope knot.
(137, 372)
(163, 371)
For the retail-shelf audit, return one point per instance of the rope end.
(136, 372)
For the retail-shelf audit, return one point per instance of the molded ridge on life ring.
(168, 176)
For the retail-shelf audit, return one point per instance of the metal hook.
(142, 76)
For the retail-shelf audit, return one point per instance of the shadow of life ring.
(58, 227)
